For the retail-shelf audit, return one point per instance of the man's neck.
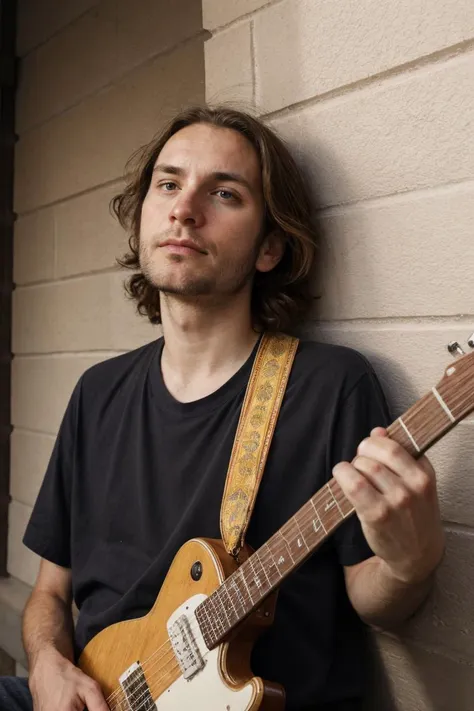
(204, 347)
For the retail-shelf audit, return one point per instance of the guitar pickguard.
(205, 690)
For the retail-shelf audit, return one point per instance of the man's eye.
(226, 195)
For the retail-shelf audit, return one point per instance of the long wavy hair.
(281, 297)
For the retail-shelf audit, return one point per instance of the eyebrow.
(217, 175)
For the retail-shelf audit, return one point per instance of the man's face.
(202, 217)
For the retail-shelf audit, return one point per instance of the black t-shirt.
(134, 474)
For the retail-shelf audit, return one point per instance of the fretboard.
(243, 591)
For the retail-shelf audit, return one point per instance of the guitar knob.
(470, 341)
(455, 349)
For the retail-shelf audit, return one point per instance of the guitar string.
(149, 664)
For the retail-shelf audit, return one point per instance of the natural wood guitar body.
(117, 648)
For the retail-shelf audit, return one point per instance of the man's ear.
(271, 251)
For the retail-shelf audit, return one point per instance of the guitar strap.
(258, 417)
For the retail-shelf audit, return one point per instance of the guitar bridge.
(185, 647)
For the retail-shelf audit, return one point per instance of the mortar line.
(59, 31)
(115, 81)
(407, 68)
(243, 18)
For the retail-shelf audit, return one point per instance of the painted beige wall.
(376, 99)
(97, 81)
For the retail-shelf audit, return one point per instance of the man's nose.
(187, 210)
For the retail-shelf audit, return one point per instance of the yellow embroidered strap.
(265, 391)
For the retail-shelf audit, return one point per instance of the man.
(222, 248)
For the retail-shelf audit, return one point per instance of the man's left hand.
(395, 498)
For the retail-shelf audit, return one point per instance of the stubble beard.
(232, 278)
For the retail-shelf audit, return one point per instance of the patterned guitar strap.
(258, 417)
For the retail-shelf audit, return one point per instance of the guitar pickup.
(185, 647)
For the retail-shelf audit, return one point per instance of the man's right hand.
(57, 685)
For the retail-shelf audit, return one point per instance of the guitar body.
(225, 683)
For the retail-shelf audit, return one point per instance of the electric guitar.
(192, 650)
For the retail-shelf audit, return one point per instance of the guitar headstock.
(457, 385)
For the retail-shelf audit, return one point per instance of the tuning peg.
(455, 349)
(470, 341)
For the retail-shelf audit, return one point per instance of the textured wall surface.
(376, 100)
(97, 80)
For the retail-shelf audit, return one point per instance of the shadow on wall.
(402, 677)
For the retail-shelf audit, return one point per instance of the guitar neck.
(243, 591)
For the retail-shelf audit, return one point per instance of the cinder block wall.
(97, 79)
(376, 98)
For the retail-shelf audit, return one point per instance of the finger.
(417, 477)
(388, 452)
(367, 501)
(379, 432)
(380, 476)
(93, 698)
(396, 494)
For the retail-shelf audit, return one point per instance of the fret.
(409, 435)
(242, 575)
(263, 567)
(279, 553)
(220, 592)
(295, 540)
(233, 581)
(286, 547)
(328, 486)
(273, 564)
(446, 409)
(302, 535)
(328, 509)
(227, 586)
(257, 579)
(317, 522)
(215, 617)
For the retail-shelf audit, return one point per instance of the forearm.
(381, 599)
(47, 627)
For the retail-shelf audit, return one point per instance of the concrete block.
(60, 73)
(89, 145)
(400, 257)
(33, 252)
(306, 48)
(410, 357)
(447, 620)
(157, 27)
(216, 13)
(37, 22)
(30, 454)
(409, 132)
(452, 458)
(42, 386)
(22, 563)
(89, 238)
(229, 73)
(88, 313)
(411, 678)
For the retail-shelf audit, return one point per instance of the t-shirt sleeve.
(48, 532)
(362, 409)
